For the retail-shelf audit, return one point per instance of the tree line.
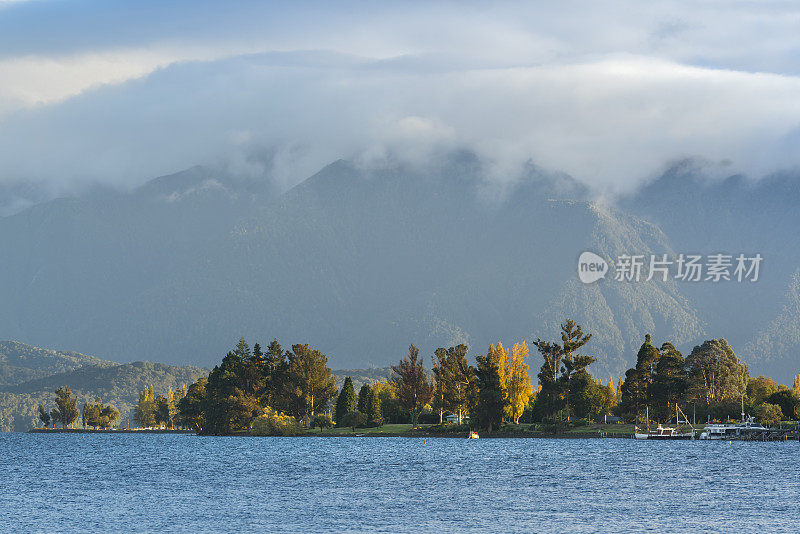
(161, 410)
(278, 386)
(711, 378)
(65, 412)
(150, 411)
(299, 383)
(94, 414)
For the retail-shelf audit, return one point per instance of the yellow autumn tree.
(499, 354)
(796, 385)
(518, 381)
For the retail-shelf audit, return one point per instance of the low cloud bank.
(610, 103)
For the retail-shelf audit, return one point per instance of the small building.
(611, 419)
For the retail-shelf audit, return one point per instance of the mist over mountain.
(704, 215)
(362, 260)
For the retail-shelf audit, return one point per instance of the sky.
(612, 93)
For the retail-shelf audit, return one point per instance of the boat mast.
(742, 407)
(679, 411)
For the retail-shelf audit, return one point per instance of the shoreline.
(424, 435)
(350, 435)
(107, 431)
(451, 435)
(494, 435)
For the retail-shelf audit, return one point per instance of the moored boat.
(747, 429)
(664, 432)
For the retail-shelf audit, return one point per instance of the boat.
(666, 432)
(473, 435)
(747, 429)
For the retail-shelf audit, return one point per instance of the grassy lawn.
(609, 429)
(626, 428)
(594, 428)
(385, 429)
(402, 428)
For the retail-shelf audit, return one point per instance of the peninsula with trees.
(277, 391)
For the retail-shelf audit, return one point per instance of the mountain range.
(36, 373)
(362, 260)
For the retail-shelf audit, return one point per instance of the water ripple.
(145, 483)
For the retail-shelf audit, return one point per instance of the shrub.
(375, 423)
(354, 419)
(787, 401)
(725, 411)
(769, 414)
(450, 427)
(552, 428)
(322, 421)
(428, 418)
(510, 427)
(274, 423)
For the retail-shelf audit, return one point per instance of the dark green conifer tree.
(491, 401)
(230, 402)
(669, 383)
(275, 368)
(346, 402)
(637, 388)
(560, 362)
(363, 399)
(191, 407)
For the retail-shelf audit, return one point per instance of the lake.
(102, 482)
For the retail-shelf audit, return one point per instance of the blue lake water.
(101, 483)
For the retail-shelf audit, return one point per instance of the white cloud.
(609, 96)
(29, 81)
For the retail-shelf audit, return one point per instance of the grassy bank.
(511, 431)
(420, 431)
(110, 431)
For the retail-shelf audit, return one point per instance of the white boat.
(664, 432)
(745, 429)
